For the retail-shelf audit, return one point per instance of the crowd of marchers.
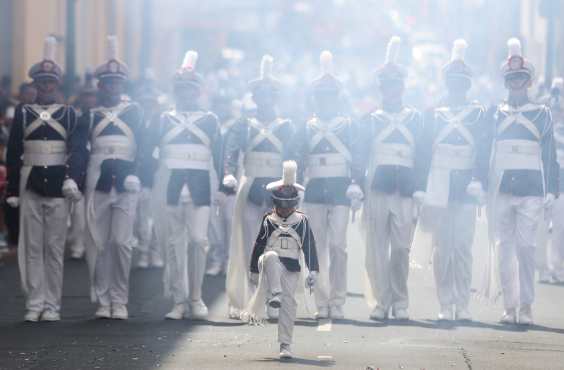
(192, 189)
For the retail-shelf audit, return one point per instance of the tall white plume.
(289, 170)
(266, 66)
(326, 62)
(190, 60)
(558, 83)
(392, 51)
(459, 50)
(49, 48)
(514, 46)
(113, 49)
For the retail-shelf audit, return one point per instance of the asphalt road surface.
(146, 341)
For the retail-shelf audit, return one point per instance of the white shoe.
(199, 310)
(49, 315)
(32, 316)
(77, 254)
(322, 313)
(157, 261)
(525, 315)
(509, 317)
(119, 312)
(546, 277)
(272, 313)
(463, 315)
(143, 261)
(177, 312)
(401, 314)
(234, 313)
(336, 312)
(214, 269)
(379, 314)
(103, 312)
(285, 351)
(445, 314)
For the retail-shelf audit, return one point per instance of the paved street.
(147, 341)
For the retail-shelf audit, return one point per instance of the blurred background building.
(232, 35)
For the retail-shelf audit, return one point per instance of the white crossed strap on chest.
(285, 241)
(397, 154)
(395, 122)
(112, 116)
(516, 116)
(455, 122)
(45, 116)
(194, 156)
(329, 132)
(227, 125)
(185, 121)
(265, 133)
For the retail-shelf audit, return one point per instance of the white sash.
(265, 133)
(111, 116)
(185, 121)
(455, 122)
(44, 116)
(328, 132)
(515, 116)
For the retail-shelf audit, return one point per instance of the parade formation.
(268, 201)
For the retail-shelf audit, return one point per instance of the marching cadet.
(113, 131)
(284, 243)
(523, 183)
(324, 146)
(75, 239)
(456, 130)
(184, 137)
(556, 254)
(389, 148)
(149, 252)
(265, 143)
(38, 182)
(229, 112)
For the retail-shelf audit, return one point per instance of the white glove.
(311, 279)
(549, 200)
(230, 182)
(70, 190)
(132, 184)
(254, 278)
(13, 202)
(354, 192)
(476, 190)
(419, 197)
(356, 204)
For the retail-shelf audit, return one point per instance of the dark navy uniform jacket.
(44, 180)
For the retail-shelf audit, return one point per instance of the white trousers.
(220, 229)
(329, 225)
(77, 229)
(285, 283)
(143, 228)
(517, 220)
(43, 227)
(114, 218)
(452, 259)
(187, 244)
(390, 226)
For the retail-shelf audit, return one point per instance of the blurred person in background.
(522, 185)
(390, 143)
(185, 137)
(324, 147)
(456, 137)
(264, 141)
(86, 101)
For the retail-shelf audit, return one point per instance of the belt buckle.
(189, 155)
(515, 149)
(401, 154)
(323, 161)
(111, 150)
(268, 162)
